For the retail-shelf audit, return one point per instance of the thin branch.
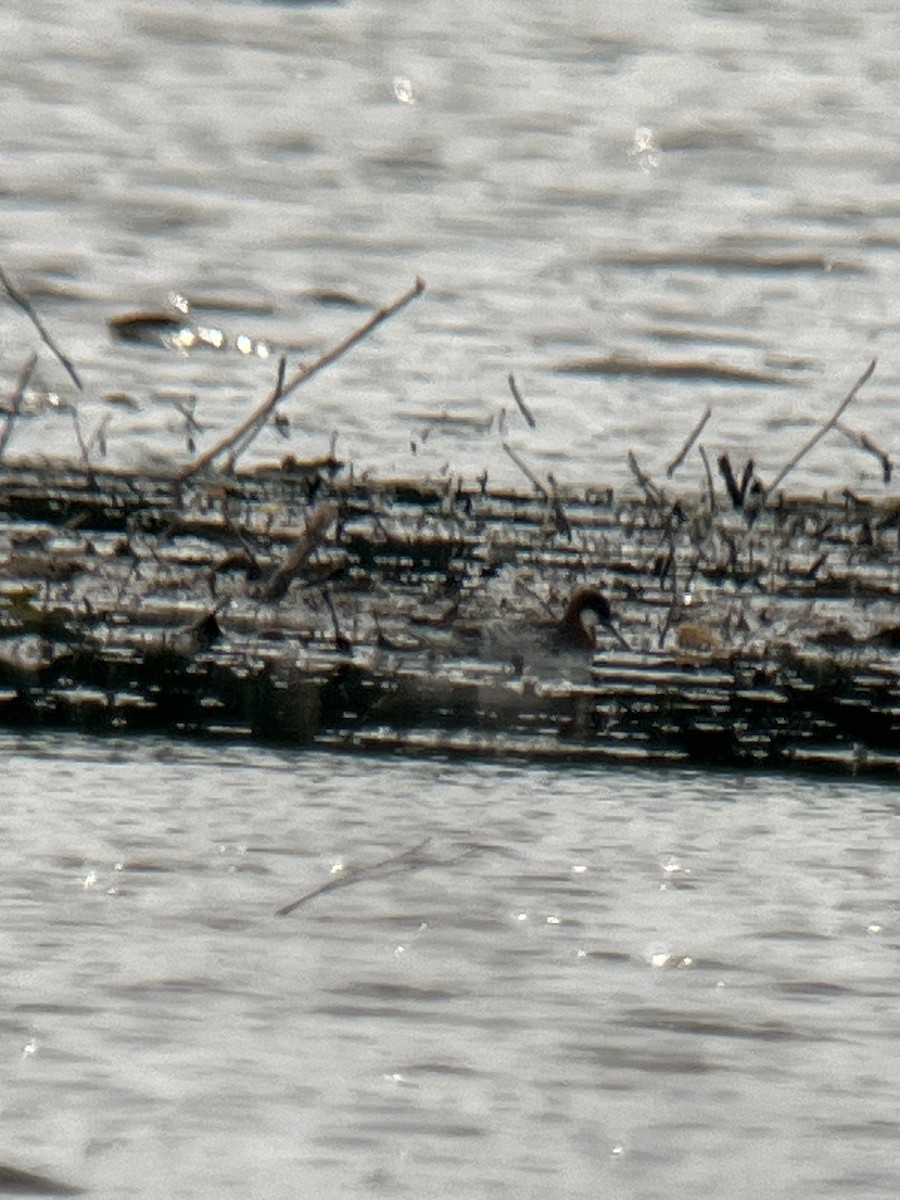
(15, 401)
(20, 299)
(261, 414)
(523, 407)
(685, 449)
(318, 521)
(865, 443)
(735, 491)
(274, 397)
(651, 491)
(709, 478)
(79, 437)
(820, 433)
(559, 513)
(526, 471)
(341, 642)
(356, 874)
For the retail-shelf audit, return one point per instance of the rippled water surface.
(583, 983)
(711, 186)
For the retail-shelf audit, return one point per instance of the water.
(589, 981)
(710, 182)
(631, 984)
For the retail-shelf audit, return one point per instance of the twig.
(820, 433)
(737, 491)
(701, 449)
(526, 471)
(559, 513)
(237, 533)
(15, 401)
(278, 393)
(82, 445)
(747, 479)
(187, 408)
(865, 443)
(523, 407)
(20, 299)
(685, 449)
(651, 491)
(318, 522)
(673, 608)
(352, 875)
(342, 643)
(98, 437)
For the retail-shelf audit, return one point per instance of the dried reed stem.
(259, 416)
(709, 479)
(319, 520)
(523, 407)
(272, 400)
(526, 471)
(21, 300)
(685, 449)
(15, 401)
(820, 433)
(654, 494)
(865, 443)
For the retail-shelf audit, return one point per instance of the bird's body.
(545, 647)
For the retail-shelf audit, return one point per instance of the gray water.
(716, 183)
(585, 983)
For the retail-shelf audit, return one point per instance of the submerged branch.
(344, 878)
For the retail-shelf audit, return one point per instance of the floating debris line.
(298, 602)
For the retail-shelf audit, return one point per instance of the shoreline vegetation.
(301, 602)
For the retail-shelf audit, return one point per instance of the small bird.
(574, 632)
(568, 643)
(544, 646)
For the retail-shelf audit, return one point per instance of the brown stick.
(734, 492)
(820, 433)
(526, 470)
(653, 494)
(865, 443)
(274, 396)
(523, 407)
(318, 522)
(709, 478)
(685, 449)
(356, 874)
(559, 513)
(21, 300)
(260, 414)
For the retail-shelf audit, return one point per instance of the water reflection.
(560, 180)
